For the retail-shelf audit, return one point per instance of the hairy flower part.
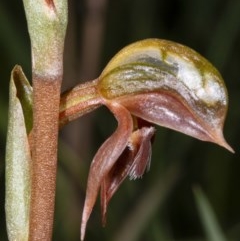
(126, 153)
(133, 162)
(148, 82)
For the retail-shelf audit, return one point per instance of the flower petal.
(169, 110)
(105, 158)
(113, 180)
(155, 68)
(133, 162)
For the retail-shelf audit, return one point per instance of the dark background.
(161, 206)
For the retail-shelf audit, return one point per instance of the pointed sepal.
(105, 159)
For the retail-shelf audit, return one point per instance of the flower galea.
(148, 82)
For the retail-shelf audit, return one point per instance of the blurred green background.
(160, 206)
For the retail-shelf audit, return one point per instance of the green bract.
(18, 157)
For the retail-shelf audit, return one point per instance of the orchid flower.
(148, 82)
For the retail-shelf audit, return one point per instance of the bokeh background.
(160, 206)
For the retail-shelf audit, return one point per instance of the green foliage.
(209, 221)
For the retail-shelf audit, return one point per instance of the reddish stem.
(46, 98)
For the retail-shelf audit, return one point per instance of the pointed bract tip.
(226, 146)
(220, 140)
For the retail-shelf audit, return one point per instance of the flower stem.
(79, 101)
